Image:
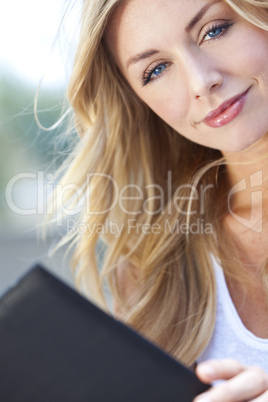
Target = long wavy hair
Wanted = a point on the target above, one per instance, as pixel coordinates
(166, 194)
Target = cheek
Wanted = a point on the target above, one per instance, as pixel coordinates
(257, 61)
(260, 64)
(171, 105)
(251, 52)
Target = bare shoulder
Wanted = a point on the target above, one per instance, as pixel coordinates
(127, 279)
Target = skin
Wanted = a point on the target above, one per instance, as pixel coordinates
(221, 57)
(200, 73)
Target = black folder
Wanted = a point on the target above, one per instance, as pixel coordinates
(56, 346)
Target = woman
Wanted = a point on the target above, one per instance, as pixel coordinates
(170, 102)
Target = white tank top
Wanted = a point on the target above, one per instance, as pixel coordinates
(231, 339)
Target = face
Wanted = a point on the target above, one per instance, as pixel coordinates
(196, 64)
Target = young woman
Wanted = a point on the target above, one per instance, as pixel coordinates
(170, 100)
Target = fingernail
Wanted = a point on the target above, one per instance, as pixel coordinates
(208, 370)
(203, 399)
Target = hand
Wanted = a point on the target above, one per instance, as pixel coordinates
(243, 383)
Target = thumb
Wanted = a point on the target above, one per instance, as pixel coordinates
(223, 369)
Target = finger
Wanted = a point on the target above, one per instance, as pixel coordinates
(224, 369)
(261, 398)
(249, 384)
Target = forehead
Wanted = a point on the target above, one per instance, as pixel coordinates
(136, 22)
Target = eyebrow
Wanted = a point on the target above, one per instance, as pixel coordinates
(199, 16)
(148, 53)
(142, 56)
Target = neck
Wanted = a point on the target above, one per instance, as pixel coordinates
(248, 177)
(249, 166)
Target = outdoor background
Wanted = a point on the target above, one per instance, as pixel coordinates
(31, 49)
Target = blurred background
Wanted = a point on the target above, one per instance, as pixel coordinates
(36, 45)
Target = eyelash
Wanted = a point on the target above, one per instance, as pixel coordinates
(225, 26)
(146, 79)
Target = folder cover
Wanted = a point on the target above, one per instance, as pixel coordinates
(57, 346)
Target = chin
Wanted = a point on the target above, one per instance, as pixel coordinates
(246, 142)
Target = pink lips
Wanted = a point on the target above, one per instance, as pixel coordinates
(226, 112)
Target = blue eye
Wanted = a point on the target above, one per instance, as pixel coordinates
(153, 73)
(158, 70)
(216, 31)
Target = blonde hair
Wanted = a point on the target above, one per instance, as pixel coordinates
(125, 146)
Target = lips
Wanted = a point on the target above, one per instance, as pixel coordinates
(227, 111)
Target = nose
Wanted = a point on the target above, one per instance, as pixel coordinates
(203, 77)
